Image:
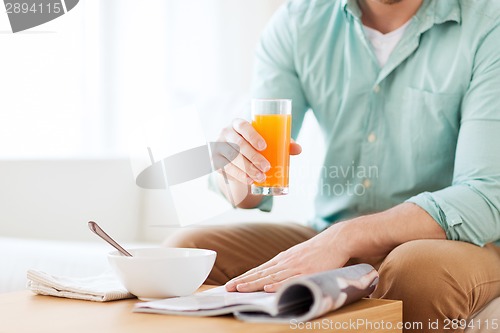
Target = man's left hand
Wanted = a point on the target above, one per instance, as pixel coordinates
(320, 253)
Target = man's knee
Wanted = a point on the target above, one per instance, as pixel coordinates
(416, 267)
(426, 279)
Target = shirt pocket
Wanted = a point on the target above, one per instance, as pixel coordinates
(430, 123)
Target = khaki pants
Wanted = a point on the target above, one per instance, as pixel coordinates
(437, 280)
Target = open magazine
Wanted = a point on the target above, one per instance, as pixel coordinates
(302, 299)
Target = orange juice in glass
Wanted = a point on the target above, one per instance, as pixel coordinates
(272, 119)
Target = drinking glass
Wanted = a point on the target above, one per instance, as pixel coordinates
(272, 119)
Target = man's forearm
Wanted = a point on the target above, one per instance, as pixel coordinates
(237, 193)
(377, 234)
(368, 236)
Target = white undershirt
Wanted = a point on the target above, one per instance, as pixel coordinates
(384, 44)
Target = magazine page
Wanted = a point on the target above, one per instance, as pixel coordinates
(311, 296)
(213, 302)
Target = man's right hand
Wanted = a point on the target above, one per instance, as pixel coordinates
(241, 158)
(242, 162)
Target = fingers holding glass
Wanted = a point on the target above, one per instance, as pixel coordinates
(238, 158)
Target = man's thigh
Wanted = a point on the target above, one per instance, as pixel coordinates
(241, 247)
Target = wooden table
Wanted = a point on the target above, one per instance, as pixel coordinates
(25, 312)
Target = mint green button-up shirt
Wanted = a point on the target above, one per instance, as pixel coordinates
(425, 128)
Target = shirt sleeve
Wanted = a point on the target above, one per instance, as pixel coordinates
(275, 74)
(469, 210)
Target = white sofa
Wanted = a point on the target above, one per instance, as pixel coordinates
(61, 258)
(45, 206)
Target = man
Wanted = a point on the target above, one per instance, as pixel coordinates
(411, 88)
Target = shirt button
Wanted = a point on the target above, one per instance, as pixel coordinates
(367, 183)
(376, 89)
(372, 138)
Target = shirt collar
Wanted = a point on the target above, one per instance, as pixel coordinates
(351, 7)
(444, 11)
(436, 11)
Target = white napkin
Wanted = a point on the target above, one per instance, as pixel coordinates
(100, 288)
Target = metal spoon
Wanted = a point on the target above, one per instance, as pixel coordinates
(96, 229)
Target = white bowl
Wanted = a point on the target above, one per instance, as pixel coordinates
(153, 273)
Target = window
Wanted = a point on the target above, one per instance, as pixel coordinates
(75, 87)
